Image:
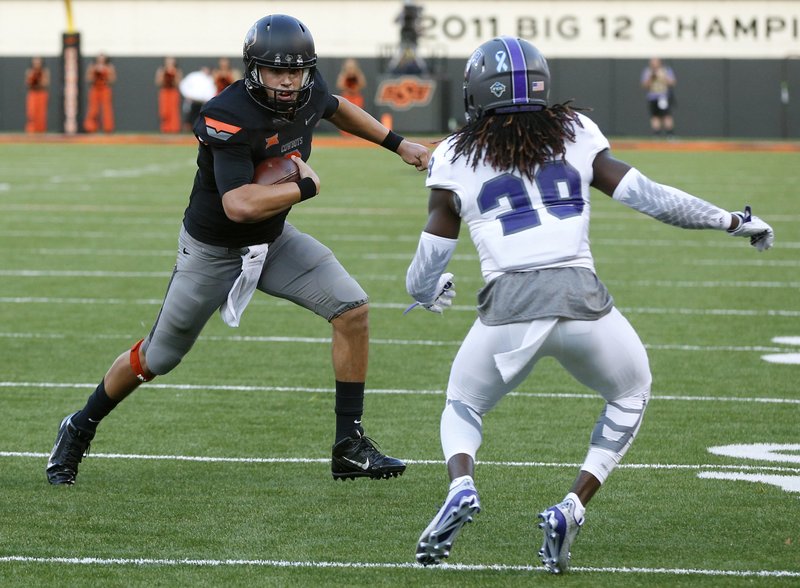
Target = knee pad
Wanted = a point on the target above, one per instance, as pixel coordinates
(161, 358)
(613, 434)
(136, 364)
(619, 423)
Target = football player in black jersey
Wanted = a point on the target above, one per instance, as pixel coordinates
(235, 239)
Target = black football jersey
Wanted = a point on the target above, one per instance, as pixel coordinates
(235, 135)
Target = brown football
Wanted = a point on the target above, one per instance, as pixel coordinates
(276, 170)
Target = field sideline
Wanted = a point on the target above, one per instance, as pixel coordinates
(218, 473)
(332, 140)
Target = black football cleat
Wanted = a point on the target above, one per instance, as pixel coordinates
(71, 445)
(358, 457)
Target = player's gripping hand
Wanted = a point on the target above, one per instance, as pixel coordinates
(444, 298)
(414, 154)
(306, 171)
(761, 234)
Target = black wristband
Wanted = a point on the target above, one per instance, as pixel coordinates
(392, 141)
(308, 189)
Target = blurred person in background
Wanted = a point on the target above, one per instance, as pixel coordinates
(168, 76)
(658, 80)
(407, 60)
(224, 75)
(37, 80)
(197, 88)
(101, 76)
(351, 82)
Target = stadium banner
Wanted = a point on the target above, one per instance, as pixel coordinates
(414, 104)
(450, 28)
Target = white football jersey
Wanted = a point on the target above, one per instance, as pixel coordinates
(518, 225)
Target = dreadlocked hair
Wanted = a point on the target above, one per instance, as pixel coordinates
(520, 141)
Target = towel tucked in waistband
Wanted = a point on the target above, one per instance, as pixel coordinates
(245, 285)
(511, 363)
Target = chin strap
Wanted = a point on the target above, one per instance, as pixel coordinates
(136, 364)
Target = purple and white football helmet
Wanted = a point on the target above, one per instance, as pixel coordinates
(505, 75)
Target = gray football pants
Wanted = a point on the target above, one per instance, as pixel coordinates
(298, 268)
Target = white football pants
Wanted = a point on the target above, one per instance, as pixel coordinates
(605, 355)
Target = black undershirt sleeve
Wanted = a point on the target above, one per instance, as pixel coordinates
(331, 106)
(232, 167)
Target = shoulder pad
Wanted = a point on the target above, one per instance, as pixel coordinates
(220, 122)
(216, 131)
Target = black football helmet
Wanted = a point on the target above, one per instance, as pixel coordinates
(505, 74)
(283, 42)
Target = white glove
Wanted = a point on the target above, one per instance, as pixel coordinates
(444, 298)
(761, 235)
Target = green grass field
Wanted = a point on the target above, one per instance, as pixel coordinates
(219, 473)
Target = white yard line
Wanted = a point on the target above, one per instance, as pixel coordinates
(657, 397)
(442, 568)
(377, 341)
(393, 305)
(423, 462)
(29, 273)
(36, 273)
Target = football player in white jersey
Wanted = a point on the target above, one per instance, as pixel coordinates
(518, 174)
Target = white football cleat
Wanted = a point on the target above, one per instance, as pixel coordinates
(560, 529)
(458, 509)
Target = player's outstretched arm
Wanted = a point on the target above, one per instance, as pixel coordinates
(352, 119)
(672, 206)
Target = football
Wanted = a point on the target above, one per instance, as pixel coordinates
(276, 170)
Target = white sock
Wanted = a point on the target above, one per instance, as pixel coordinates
(580, 510)
(459, 480)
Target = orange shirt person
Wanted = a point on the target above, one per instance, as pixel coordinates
(168, 76)
(37, 79)
(224, 75)
(100, 76)
(351, 82)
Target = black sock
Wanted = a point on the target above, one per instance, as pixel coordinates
(349, 408)
(97, 407)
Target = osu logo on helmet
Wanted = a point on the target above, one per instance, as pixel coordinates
(404, 93)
